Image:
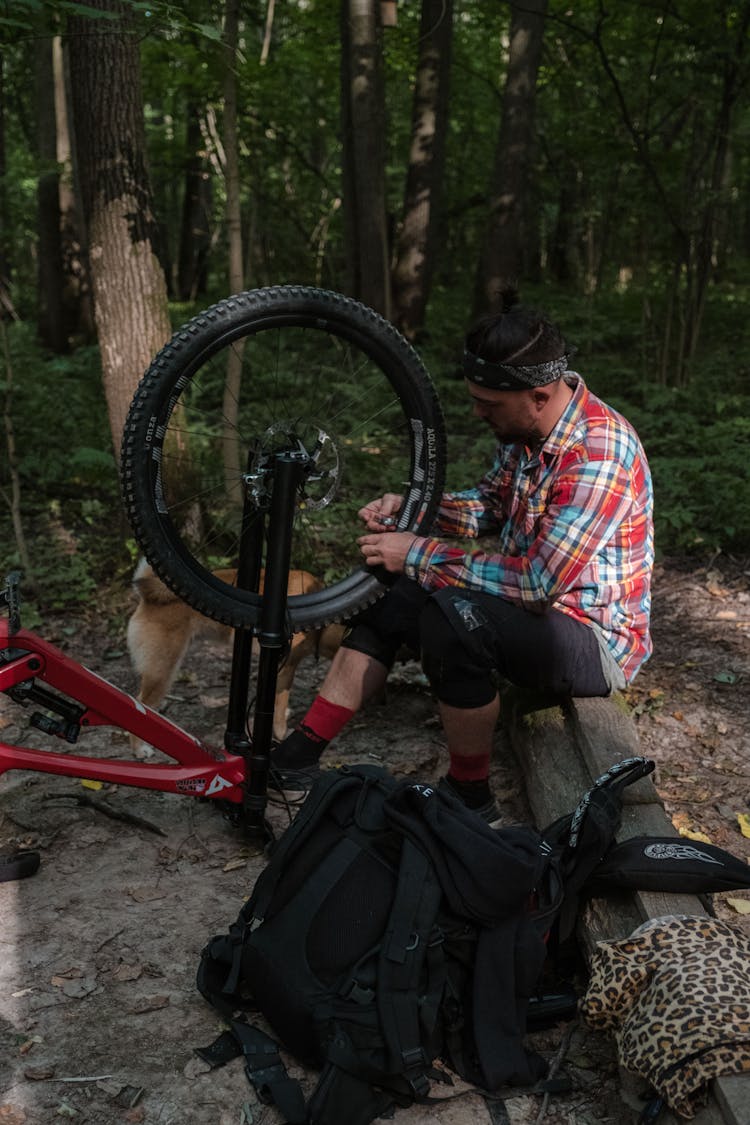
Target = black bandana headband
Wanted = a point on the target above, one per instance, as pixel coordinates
(506, 377)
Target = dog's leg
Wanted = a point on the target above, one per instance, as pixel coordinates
(302, 644)
(157, 647)
(321, 642)
(330, 640)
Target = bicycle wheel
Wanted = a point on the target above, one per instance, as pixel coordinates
(266, 372)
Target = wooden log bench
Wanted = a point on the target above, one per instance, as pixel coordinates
(561, 748)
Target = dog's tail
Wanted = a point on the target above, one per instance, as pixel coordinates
(150, 588)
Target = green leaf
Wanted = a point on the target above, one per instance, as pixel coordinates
(208, 31)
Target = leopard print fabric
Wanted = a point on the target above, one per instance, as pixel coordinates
(676, 995)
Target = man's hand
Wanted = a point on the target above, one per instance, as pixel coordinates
(387, 549)
(381, 514)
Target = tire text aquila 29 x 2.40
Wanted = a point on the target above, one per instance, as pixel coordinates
(276, 371)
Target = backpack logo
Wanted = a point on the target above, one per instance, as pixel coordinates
(678, 851)
(217, 784)
(423, 790)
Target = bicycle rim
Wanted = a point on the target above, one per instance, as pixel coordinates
(262, 373)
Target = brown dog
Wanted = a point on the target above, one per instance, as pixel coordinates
(162, 627)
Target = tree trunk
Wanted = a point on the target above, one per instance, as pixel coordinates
(564, 255)
(267, 33)
(232, 467)
(231, 146)
(415, 248)
(6, 304)
(363, 120)
(50, 318)
(195, 233)
(733, 82)
(130, 296)
(76, 279)
(501, 260)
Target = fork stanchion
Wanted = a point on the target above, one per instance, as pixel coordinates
(274, 635)
(248, 578)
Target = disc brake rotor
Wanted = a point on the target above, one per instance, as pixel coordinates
(320, 450)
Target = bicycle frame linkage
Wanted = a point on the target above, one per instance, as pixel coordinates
(34, 671)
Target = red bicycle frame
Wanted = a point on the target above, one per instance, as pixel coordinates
(33, 671)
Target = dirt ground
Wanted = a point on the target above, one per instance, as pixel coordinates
(99, 1013)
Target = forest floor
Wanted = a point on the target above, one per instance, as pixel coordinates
(99, 1013)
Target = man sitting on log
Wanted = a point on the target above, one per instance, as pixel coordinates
(559, 600)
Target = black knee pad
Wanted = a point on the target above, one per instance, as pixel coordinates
(389, 624)
(363, 638)
(456, 674)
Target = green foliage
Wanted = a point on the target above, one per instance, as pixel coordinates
(623, 186)
(697, 447)
(696, 437)
(59, 418)
(66, 470)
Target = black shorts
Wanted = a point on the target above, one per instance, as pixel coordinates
(466, 639)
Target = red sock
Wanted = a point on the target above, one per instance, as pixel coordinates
(469, 767)
(326, 719)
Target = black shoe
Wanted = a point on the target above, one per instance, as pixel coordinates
(301, 748)
(488, 810)
(18, 865)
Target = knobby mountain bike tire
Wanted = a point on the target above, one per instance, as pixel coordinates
(256, 375)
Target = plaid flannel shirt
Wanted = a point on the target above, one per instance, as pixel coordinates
(573, 526)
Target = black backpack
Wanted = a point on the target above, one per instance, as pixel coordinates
(393, 927)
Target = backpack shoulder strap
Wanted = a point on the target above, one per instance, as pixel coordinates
(263, 1066)
(617, 778)
(578, 841)
(406, 1002)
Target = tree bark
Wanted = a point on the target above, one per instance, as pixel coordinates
(130, 296)
(413, 268)
(6, 304)
(76, 280)
(501, 260)
(564, 251)
(733, 81)
(232, 467)
(50, 318)
(231, 147)
(363, 128)
(195, 232)
(267, 33)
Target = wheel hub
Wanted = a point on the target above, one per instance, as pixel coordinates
(314, 446)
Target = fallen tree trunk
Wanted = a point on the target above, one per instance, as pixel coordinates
(561, 749)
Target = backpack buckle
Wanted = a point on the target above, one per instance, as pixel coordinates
(264, 1078)
(359, 994)
(413, 1058)
(419, 1083)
